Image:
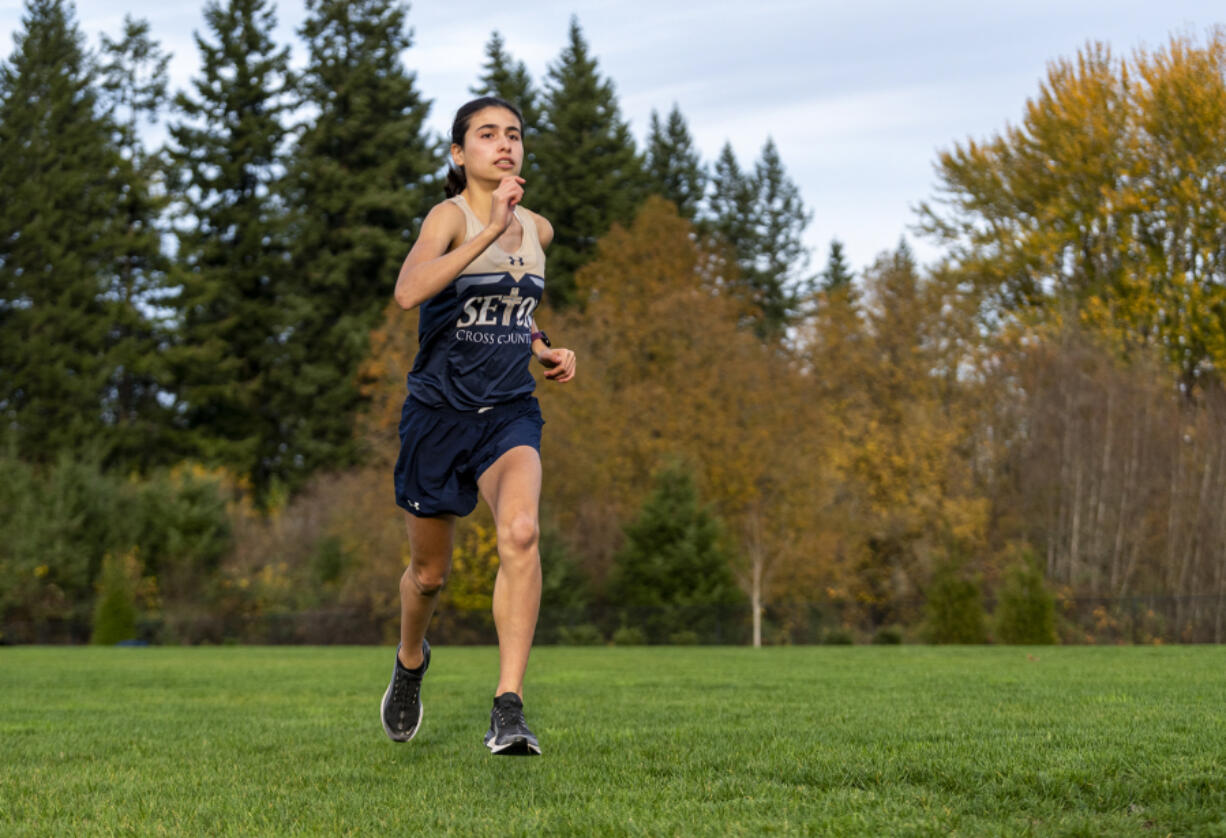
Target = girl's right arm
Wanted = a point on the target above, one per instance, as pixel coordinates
(433, 263)
(438, 256)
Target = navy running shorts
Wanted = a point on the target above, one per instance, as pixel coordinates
(444, 451)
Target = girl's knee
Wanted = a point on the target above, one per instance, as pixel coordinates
(424, 579)
(519, 534)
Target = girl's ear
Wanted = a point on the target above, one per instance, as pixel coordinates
(457, 155)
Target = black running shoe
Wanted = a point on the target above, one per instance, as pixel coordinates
(508, 734)
(401, 712)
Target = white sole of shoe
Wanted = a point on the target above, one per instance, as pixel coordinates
(520, 747)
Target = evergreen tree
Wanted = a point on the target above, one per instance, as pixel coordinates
(361, 180)
(115, 608)
(506, 78)
(731, 207)
(782, 260)
(133, 83)
(729, 220)
(954, 607)
(134, 91)
(761, 217)
(837, 273)
(233, 309)
(590, 174)
(509, 79)
(837, 344)
(674, 167)
(60, 233)
(673, 573)
(1025, 610)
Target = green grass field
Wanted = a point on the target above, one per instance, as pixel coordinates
(638, 741)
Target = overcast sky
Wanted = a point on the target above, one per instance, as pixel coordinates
(859, 97)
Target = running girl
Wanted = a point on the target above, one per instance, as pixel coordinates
(470, 423)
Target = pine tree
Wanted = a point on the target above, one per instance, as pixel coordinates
(115, 607)
(361, 179)
(837, 273)
(60, 175)
(232, 307)
(730, 220)
(954, 607)
(134, 90)
(1025, 610)
(674, 167)
(730, 206)
(590, 174)
(673, 572)
(836, 343)
(782, 260)
(761, 217)
(508, 79)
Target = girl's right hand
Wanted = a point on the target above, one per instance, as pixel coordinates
(509, 193)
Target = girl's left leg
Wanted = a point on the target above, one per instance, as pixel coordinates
(512, 488)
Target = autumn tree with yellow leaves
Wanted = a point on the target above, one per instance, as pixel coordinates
(1105, 203)
(667, 373)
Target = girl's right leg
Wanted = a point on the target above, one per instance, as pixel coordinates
(430, 544)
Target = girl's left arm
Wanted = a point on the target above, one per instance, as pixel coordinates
(544, 230)
(559, 363)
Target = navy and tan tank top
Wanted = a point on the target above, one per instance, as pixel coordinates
(475, 336)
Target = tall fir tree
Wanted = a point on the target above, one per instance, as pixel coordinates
(730, 219)
(133, 85)
(234, 312)
(674, 572)
(361, 179)
(590, 173)
(780, 271)
(761, 217)
(63, 180)
(509, 79)
(674, 167)
(837, 274)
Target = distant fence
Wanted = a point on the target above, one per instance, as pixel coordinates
(1144, 619)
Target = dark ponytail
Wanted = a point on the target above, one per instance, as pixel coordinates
(456, 179)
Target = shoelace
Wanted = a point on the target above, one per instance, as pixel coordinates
(509, 716)
(404, 690)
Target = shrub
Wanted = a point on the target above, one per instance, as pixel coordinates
(685, 637)
(629, 636)
(115, 610)
(59, 521)
(887, 636)
(673, 572)
(585, 634)
(955, 608)
(1026, 610)
(838, 637)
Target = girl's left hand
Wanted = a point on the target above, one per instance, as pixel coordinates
(559, 364)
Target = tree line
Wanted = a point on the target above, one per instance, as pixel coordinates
(1038, 416)
(212, 298)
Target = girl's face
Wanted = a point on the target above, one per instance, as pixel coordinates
(493, 145)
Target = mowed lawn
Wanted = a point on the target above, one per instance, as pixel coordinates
(638, 741)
